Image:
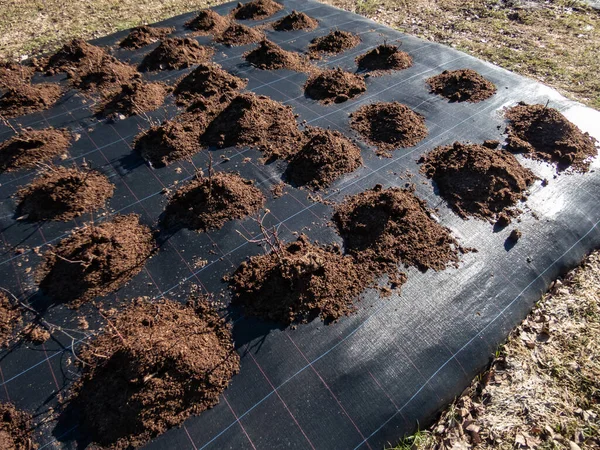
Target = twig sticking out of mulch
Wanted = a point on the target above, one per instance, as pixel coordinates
(337, 41)
(176, 54)
(295, 21)
(383, 59)
(256, 10)
(15, 429)
(270, 56)
(238, 34)
(145, 35)
(32, 147)
(24, 98)
(334, 86)
(208, 22)
(464, 85)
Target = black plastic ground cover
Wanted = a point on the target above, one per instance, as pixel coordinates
(363, 382)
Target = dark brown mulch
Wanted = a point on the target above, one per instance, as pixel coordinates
(334, 86)
(464, 85)
(31, 147)
(238, 34)
(324, 157)
(389, 126)
(295, 21)
(297, 282)
(270, 56)
(73, 56)
(24, 98)
(13, 73)
(136, 97)
(384, 58)
(95, 260)
(15, 429)
(176, 54)
(208, 202)
(477, 181)
(543, 133)
(336, 41)
(208, 22)
(255, 121)
(145, 35)
(63, 194)
(256, 10)
(10, 319)
(155, 364)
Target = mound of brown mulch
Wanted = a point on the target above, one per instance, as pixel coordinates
(10, 318)
(256, 10)
(384, 58)
(255, 121)
(13, 73)
(15, 429)
(476, 180)
(208, 202)
(295, 21)
(73, 56)
(24, 98)
(382, 228)
(270, 56)
(389, 126)
(324, 157)
(544, 134)
(96, 260)
(63, 194)
(296, 282)
(175, 54)
(136, 97)
(208, 22)
(30, 147)
(334, 86)
(336, 41)
(155, 364)
(238, 34)
(207, 81)
(145, 35)
(464, 85)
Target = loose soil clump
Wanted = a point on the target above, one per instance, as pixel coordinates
(24, 98)
(382, 228)
(237, 34)
(15, 429)
(206, 82)
(270, 56)
(208, 22)
(464, 85)
(323, 158)
(155, 365)
(544, 134)
(64, 194)
(30, 147)
(12, 74)
(295, 21)
(73, 56)
(136, 97)
(255, 121)
(477, 181)
(297, 282)
(145, 35)
(334, 86)
(10, 318)
(173, 140)
(208, 202)
(96, 260)
(176, 54)
(256, 10)
(335, 42)
(383, 59)
(389, 126)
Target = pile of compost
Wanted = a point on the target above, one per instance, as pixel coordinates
(463, 85)
(73, 56)
(544, 134)
(96, 260)
(255, 121)
(475, 180)
(155, 364)
(145, 35)
(63, 194)
(336, 41)
(12, 74)
(136, 97)
(25, 98)
(176, 54)
(205, 82)
(30, 147)
(324, 157)
(334, 86)
(383, 228)
(256, 10)
(208, 202)
(269, 56)
(10, 318)
(384, 58)
(295, 21)
(297, 282)
(15, 429)
(389, 126)
(208, 22)
(238, 34)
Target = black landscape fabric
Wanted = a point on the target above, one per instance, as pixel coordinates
(368, 379)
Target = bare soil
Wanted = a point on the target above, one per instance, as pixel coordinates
(384, 59)
(238, 34)
(136, 97)
(337, 41)
(73, 56)
(31, 147)
(176, 54)
(295, 21)
(256, 10)
(15, 429)
(270, 56)
(145, 35)
(208, 22)
(12, 73)
(23, 98)
(10, 319)
(464, 85)
(334, 86)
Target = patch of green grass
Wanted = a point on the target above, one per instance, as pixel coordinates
(417, 440)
